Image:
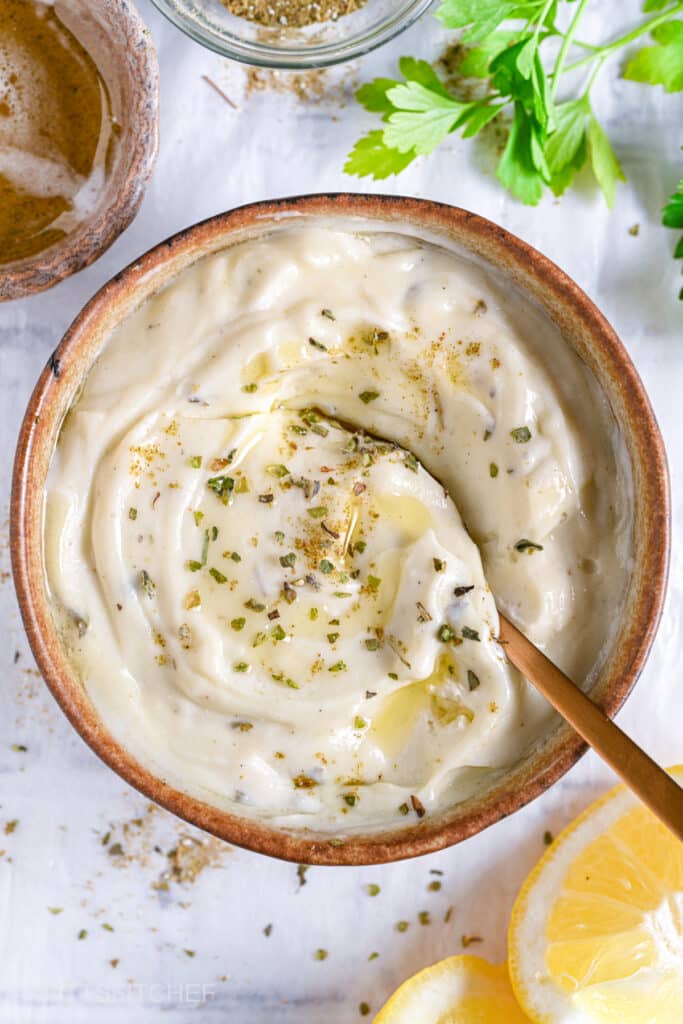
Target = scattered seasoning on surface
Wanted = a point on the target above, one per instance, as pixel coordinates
(493, 470)
(439, 565)
(304, 782)
(372, 889)
(470, 634)
(190, 952)
(468, 940)
(434, 886)
(83, 934)
(320, 954)
(418, 806)
(10, 826)
(634, 230)
(368, 396)
(19, 748)
(547, 838)
(424, 917)
(461, 591)
(268, 931)
(55, 910)
(402, 926)
(448, 915)
(445, 633)
(373, 956)
(364, 1009)
(107, 927)
(132, 513)
(292, 13)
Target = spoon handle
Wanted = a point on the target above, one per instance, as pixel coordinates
(649, 782)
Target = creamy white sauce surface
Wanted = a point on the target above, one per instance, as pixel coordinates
(254, 539)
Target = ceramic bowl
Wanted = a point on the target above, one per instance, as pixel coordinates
(583, 328)
(116, 38)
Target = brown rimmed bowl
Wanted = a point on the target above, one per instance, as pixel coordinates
(584, 329)
(116, 38)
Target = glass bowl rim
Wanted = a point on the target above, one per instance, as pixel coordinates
(292, 57)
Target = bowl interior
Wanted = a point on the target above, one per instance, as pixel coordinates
(583, 328)
(321, 44)
(120, 45)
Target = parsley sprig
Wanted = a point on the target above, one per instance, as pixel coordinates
(672, 217)
(547, 141)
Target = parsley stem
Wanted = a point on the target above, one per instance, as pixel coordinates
(564, 49)
(605, 51)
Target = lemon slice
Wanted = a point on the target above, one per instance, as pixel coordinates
(597, 930)
(459, 990)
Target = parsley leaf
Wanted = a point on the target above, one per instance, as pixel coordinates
(483, 16)
(476, 62)
(661, 64)
(372, 156)
(422, 119)
(672, 217)
(566, 149)
(516, 169)
(606, 167)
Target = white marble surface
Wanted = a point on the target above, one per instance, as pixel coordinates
(212, 158)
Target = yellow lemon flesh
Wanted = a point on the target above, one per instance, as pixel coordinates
(459, 990)
(596, 935)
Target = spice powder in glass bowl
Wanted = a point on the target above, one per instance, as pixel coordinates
(292, 13)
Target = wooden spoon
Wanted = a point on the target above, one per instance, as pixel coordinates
(649, 782)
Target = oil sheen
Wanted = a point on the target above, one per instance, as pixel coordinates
(279, 510)
(56, 130)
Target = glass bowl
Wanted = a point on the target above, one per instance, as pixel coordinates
(315, 46)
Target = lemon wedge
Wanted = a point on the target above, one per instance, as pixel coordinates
(596, 935)
(459, 990)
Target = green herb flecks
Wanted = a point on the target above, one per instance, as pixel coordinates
(520, 435)
(147, 584)
(528, 545)
(222, 487)
(473, 681)
(368, 396)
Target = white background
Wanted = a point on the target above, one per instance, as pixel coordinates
(213, 158)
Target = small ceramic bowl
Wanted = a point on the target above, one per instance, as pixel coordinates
(583, 328)
(319, 45)
(119, 43)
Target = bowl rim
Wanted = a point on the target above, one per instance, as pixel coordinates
(296, 58)
(91, 238)
(39, 431)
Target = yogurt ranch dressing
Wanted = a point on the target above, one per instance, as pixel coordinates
(253, 526)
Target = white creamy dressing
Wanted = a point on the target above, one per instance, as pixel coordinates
(253, 539)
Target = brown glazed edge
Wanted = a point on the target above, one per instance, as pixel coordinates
(92, 238)
(605, 355)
